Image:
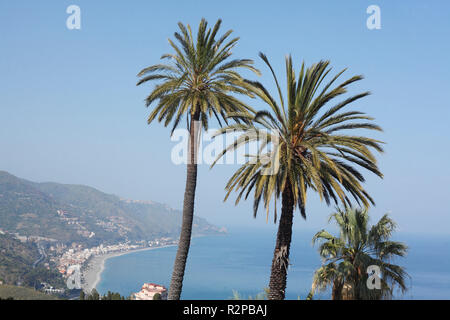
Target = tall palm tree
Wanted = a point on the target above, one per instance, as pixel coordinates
(200, 82)
(347, 257)
(309, 151)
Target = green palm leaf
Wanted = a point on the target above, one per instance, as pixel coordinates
(347, 257)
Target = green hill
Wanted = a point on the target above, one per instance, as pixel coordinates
(22, 293)
(15, 258)
(17, 264)
(76, 213)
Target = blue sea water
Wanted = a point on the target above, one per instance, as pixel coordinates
(241, 261)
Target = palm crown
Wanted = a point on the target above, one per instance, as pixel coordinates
(200, 81)
(312, 150)
(347, 257)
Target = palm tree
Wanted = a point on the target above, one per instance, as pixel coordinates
(199, 83)
(308, 151)
(347, 257)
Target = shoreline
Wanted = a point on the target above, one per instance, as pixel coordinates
(92, 272)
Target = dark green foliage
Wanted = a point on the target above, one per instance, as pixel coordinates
(16, 265)
(112, 296)
(35, 276)
(157, 296)
(16, 258)
(358, 246)
(94, 295)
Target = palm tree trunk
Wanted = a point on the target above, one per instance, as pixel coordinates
(336, 292)
(280, 262)
(184, 242)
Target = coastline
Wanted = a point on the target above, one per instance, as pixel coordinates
(92, 272)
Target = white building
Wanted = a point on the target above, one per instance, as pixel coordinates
(149, 290)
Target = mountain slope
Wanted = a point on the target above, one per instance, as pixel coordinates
(22, 293)
(15, 258)
(27, 210)
(17, 264)
(75, 213)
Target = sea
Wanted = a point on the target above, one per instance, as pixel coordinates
(239, 262)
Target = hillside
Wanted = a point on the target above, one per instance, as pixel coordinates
(17, 264)
(76, 213)
(15, 258)
(22, 293)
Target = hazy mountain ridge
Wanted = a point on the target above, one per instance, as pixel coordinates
(77, 213)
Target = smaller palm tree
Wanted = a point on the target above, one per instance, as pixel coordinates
(347, 258)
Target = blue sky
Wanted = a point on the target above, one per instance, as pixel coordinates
(70, 111)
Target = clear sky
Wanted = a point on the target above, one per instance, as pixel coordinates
(70, 111)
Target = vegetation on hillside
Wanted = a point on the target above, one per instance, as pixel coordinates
(22, 293)
(73, 213)
(16, 265)
(94, 295)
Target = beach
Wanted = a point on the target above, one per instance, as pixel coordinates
(91, 273)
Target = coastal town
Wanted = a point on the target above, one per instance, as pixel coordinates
(77, 254)
(88, 261)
